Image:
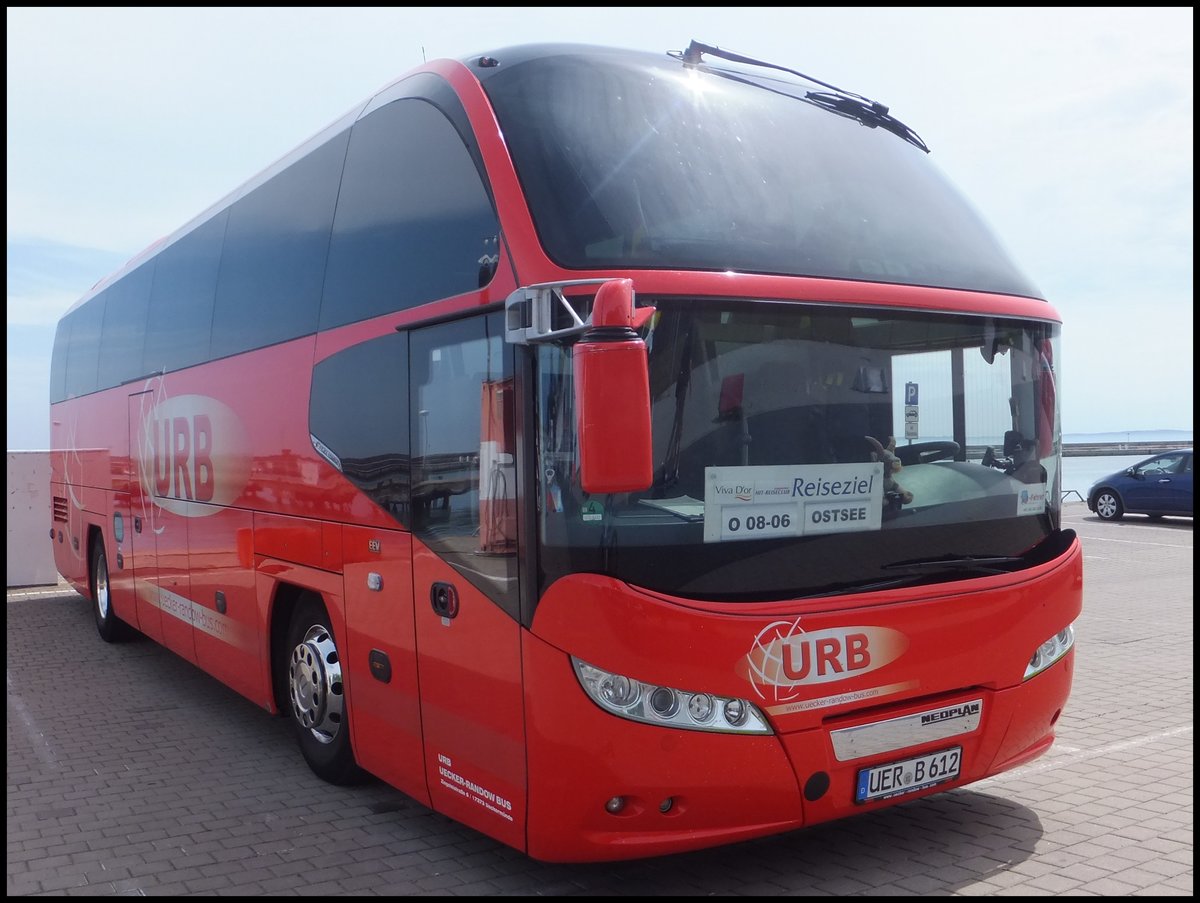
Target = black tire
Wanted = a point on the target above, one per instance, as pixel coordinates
(316, 701)
(1108, 505)
(111, 628)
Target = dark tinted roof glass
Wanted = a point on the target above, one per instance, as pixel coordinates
(631, 160)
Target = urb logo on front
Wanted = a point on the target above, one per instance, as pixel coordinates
(784, 659)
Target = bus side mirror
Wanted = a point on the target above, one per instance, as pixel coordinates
(612, 395)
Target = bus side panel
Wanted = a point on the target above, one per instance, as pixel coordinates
(472, 710)
(174, 583)
(142, 533)
(81, 468)
(121, 560)
(223, 601)
(381, 658)
(71, 566)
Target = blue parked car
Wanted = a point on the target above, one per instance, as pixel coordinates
(1158, 486)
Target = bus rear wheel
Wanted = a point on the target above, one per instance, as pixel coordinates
(111, 628)
(316, 695)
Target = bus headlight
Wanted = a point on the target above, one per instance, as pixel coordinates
(653, 704)
(1050, 651)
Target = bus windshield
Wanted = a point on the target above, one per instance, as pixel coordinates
(637, 161)
(801, 450)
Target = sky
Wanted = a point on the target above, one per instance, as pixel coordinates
(1069, 129)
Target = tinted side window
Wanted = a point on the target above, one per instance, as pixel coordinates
(358, 410)
(414, 221)
(84, 355)
(181, 298)
(58, 360)
(273, 262)
(464, 471)
(126, 304)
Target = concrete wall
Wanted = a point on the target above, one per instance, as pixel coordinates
(30, 555)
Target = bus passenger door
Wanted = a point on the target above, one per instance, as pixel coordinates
(381, 657)
(471, 701)
(161, 523)
(465, 574)
(140, 556)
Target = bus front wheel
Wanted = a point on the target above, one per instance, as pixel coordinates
(316, 694)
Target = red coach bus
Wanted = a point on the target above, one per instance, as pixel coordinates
(619, 453)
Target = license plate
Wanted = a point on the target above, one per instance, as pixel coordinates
(881, 782)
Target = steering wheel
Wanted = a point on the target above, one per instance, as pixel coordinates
(924, 452)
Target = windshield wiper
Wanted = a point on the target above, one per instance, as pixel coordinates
(990, 564)
(1054, 545)
(869, 112)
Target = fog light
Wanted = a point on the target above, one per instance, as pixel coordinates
(615, 805)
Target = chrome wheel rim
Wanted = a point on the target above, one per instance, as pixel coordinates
(102, 588)
(1106, 505)
(315, 684)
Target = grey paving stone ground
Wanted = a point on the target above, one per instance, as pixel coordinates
(130, 772)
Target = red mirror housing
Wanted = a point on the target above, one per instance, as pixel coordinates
(612, 395)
